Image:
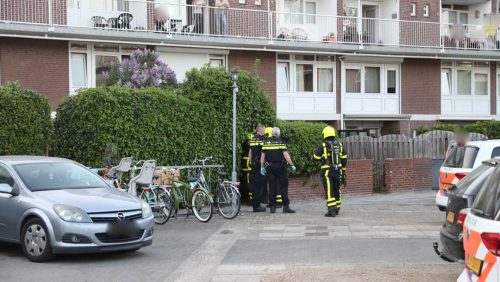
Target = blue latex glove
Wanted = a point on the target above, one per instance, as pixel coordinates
(294, 169)
(262, 171)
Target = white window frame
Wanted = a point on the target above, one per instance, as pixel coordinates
(293, 62)
(385, 85)
(91, 62)
(474, 70)
(222, 58)
(384, 68)
(413, 12)
(426, 10)
(303, 12)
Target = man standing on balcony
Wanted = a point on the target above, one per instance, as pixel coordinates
(198, 15)
(220, 16)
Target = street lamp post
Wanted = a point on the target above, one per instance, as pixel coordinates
(235, 92)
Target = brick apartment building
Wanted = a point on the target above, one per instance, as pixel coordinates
(385, 66)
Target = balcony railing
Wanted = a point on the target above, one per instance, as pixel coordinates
(147, 16)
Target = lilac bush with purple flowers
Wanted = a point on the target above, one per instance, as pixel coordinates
(143, 69)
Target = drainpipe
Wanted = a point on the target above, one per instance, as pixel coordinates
(360, 22)
(441, 24)
(50, 13)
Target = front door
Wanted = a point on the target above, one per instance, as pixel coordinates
(8, 209)
(74, 12)
(370, 24)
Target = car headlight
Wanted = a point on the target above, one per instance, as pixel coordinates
(146, 210)
(72, 214)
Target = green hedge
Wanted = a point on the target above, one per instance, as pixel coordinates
(146, 123)
(25, 126)
(170, 126)
(302, 139)
(489, 128)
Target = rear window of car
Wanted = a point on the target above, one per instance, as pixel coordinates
(487, 202)
(475, 179)
(461, 157)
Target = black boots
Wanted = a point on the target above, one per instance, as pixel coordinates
(337, 211)
(273, 209)
(287, 209)
(332, 212)
(259, 209)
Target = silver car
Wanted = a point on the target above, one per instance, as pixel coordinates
(54, 206)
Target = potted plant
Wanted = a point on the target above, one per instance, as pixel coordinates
(330, 38)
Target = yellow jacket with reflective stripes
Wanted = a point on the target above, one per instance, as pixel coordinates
(332, 154)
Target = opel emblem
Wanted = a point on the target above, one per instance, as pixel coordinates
(120, 216)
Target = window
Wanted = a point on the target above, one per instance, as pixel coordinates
(391, 82)
(480, 84)
(353, 80)
(325, 79)
(495, 152)
(426, 10)
(464, 82)
(293, 10)
(79, 70)
(486, 203)
(102, 64)
(283, 80)
(446, 81)
(217, 61)
(299, 11)
(5, 177)
(413, 9)
(310, 12)
(372, 80)
(304, 77)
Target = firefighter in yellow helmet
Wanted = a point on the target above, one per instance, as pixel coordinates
(333, 159)
(279, 200)
(245, 168)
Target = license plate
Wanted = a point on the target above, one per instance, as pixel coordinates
(475, 265)
(451, 216)
(122, 229)
(446, 186)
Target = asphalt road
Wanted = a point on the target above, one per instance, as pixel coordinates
(376, 238)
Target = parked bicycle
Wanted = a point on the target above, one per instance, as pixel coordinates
(226, 194)
(142, 186)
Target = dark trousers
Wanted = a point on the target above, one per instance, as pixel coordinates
(277, 175)
(256, 185)
(331, 182)
(246, 193)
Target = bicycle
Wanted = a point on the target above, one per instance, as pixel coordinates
(141, 186)
(192, 196)
(226, 194)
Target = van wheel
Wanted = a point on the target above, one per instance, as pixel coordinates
(442, 208)
(35, 241)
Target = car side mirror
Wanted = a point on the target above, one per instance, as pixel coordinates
(6, 188)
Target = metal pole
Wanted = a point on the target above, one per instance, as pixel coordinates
(235, 92)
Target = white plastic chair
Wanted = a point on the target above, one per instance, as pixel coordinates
(117, 171)
(144, 178)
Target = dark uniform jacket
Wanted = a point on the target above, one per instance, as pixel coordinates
(274, 148)
(256, 146)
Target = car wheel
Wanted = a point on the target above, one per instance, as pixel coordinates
(35, 241)
(442, 208)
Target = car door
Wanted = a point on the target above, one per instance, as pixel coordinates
(8, 208)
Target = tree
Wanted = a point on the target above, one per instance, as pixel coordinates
(143, 69)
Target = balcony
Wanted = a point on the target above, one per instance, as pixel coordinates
(132, 17)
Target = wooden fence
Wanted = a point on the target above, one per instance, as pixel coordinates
(431, 145)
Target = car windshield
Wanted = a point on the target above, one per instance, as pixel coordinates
(57, 176)
(477, 177)
(487, 202)
(461, 157)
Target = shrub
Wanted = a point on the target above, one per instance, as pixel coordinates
(146, 123)
(302, 139)
(25, 126)
(143, 69)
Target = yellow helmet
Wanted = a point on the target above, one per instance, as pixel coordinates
(329, 132)
(268, 132)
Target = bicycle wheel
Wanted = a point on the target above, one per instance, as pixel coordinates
(163, 205)
(228, 200)
(202, 206)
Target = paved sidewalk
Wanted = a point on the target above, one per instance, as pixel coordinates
(376, 238)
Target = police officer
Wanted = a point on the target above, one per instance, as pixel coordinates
(256, 178)
(279, 201)
(274, 162)
(333, 163)
(246, 168)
